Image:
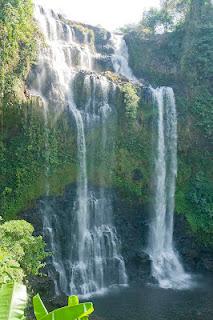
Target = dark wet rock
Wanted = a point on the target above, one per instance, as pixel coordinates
(208, 262)
(131, 221)
(103, 63)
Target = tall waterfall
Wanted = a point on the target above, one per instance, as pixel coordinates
(166, 265)
(89, 262)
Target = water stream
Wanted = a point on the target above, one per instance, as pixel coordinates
(120, 58)
(92, 263)
(166, 266)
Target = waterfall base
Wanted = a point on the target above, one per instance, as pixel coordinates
(169, 273)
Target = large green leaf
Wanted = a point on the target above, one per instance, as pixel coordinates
(73, 311)
(39, 308)
(13, 300)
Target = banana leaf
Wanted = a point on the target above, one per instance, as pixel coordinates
(73, 311)
(13, 300)
(39, 308)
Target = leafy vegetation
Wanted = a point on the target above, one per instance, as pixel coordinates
(196, 65)
(171, 14)
(18, 45)
(21, 254)
(131, 100)
(13, 300)
(73, 311)
(132, 150)
(24, 173)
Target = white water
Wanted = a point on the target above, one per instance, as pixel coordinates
(99, 264)
(93, 262)
(120, 59)
(166, 266)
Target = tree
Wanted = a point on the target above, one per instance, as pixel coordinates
(177, 9)
(165, 19)
(21, 254)
(18, 33)
(156, 21)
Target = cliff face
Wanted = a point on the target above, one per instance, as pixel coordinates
(182, 59)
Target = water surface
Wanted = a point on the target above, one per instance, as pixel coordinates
(153, 303)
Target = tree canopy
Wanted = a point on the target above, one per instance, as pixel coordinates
(165, 19)
(21, 254)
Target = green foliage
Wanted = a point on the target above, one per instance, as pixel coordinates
(24, 158)
(13, 300)
(73, 311)
(18, 34)
(195, 164)
(203, 112)
(196, 65)
(155, 57)
(201, 195)
(131, 174)
(194, 200)
(9, 267)
(201, 198)
(39, 308)
(131, 101)
(171, 14)
(18, 47)
(156, 20)
(21, 254)
(196, 60)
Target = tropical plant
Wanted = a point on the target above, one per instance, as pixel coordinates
(10, 269)
(21, 254)
(13, 300)
(73, 311)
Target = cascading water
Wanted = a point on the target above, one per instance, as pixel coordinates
(89, 261)
(121, 57)
(98, 264)
(166, 266)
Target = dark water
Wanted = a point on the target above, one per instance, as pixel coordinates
(152, 303)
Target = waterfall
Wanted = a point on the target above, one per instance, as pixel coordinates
(89, 261)
(166, 265)
(120, 59)
(99, 264)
